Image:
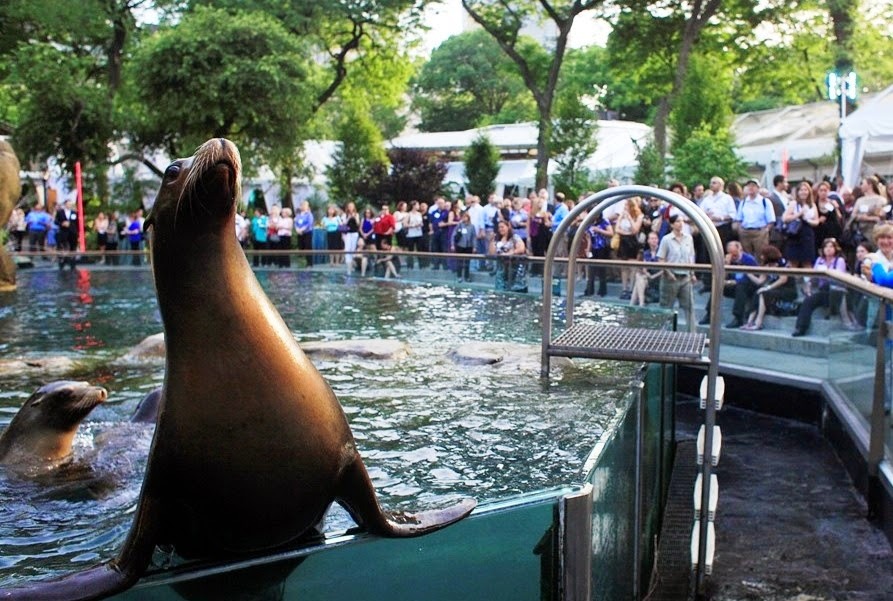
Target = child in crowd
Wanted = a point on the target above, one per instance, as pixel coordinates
(387, 261)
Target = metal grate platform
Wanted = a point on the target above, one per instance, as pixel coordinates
(629, 344)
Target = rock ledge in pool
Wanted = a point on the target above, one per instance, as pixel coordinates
(152, 349)
(365, 348)
(45, 367)
(503, 354)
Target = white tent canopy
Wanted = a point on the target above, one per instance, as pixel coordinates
(868, 130)
(616, 154)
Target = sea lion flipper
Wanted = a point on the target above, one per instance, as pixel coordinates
(357, 495)
(95, 583)
(102, 580)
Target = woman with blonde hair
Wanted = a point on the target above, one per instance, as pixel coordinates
(627, 226)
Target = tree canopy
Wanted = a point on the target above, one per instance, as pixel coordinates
(469, 82)
(215, 74)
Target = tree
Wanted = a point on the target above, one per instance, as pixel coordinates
(705, 154)
(359, 165)
(63, 112)
(704, 102)
(415, 175)
(217, 74)
(468, 81)
(651, 170)
(481, 166)
(340, 33)
(61, 63)
(573, 142)
(539, 67)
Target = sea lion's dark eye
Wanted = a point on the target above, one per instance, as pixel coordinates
(172, 171)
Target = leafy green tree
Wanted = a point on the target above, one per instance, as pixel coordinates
(61, 65)
(63, 112)
(481, 166)
(705, 154)
(216, 74)
(704, 102)
(651, 169)
(341, 34)
(359, 166)
(415, 175)
(573, 142)
(467, 82)
(539, 67)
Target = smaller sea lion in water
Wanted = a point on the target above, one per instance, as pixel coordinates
(146, 411)
(41, 433)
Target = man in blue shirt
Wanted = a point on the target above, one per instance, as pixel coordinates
(38, 222)
(737, 286)
(755, 217)
(561, 211)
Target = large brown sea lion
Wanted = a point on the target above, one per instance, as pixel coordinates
(39, 436)
(251, 445)
(10, 189)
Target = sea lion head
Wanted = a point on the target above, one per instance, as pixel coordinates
(44, 427)
(198, 193)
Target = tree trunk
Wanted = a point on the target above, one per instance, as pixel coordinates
(690, 34)
(286, 199)
(841, 13)
(543, 137)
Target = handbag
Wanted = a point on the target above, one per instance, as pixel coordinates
(792, 228)
(615, 241)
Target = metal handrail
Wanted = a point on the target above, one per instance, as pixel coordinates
(593, 206)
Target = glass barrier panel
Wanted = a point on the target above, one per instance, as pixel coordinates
(502, 552)
(614, 502)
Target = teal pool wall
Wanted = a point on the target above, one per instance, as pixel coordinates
(504, 551)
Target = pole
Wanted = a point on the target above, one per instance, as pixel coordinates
(82, 245)
(840, 129)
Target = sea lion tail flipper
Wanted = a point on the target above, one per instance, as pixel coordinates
(102, 580)
(357, 495)
(94, 583)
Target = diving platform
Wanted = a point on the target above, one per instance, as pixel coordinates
(629, 344)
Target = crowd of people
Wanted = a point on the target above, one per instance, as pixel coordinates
(821, 225)
(56, 236)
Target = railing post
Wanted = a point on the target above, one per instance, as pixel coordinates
(637, 516)
(878, 431)
(575, 544)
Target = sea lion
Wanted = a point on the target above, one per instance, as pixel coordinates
(39, 436)
(146, 411)
(10, 189)
(251, 446)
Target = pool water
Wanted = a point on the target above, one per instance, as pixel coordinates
(429, 429)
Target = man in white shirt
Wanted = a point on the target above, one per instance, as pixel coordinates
(720, 208)
(476, 213)
(676, 284)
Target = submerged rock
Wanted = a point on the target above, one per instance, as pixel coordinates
(365, 348)
(152, 349)
(45, 367)
(503, 354)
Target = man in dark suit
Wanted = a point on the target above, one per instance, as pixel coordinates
(67, 236)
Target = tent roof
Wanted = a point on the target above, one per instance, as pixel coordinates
(873, 119)
(521, 137)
